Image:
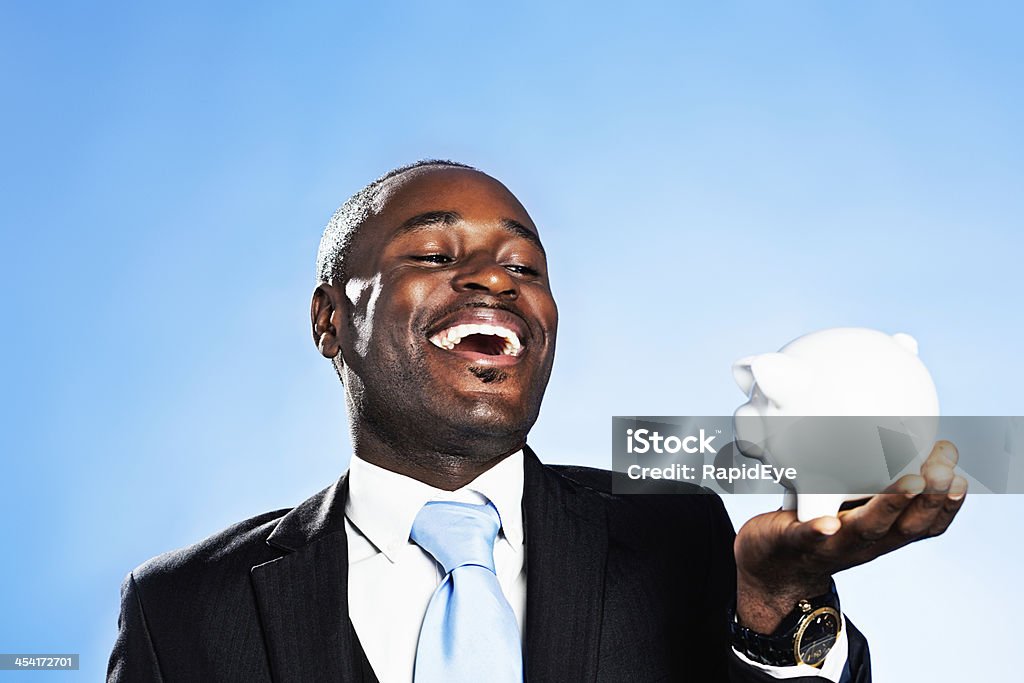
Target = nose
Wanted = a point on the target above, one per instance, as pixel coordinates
(484, 275)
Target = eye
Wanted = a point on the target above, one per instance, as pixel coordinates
(521, 270)
(437, 259)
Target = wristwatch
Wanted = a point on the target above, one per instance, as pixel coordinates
(805, 636)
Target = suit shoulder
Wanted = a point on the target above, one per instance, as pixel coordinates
(241, 544)
(665, 499)
(617, 485)
(680, 520)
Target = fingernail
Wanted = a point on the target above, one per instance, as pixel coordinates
(829, 526)
(958, 489)
(949, 452)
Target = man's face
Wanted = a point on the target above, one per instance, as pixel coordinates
(451, 321)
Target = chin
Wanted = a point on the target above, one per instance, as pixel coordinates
(489, 417)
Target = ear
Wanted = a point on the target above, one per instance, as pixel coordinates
(906, 341)
(778, 376)
(325, 318)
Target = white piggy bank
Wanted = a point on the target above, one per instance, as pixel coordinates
(837, 373)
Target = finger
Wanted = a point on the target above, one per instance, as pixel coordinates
(944, 452)
(954, 501)
(919, 516)
(908, 485)
(927, 510)
(804, 536)
(958, 490)
(874, 520)
(938, 474)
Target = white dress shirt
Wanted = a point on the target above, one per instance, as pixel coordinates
(391, 579)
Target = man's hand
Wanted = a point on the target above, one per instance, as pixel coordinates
(780, 560)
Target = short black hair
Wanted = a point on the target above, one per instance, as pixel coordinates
(341, 229)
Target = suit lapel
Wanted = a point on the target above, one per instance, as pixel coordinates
(303, 595)
(567, 544)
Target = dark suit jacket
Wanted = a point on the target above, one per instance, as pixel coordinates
(619, 588)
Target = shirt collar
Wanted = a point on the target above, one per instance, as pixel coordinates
(383, 504)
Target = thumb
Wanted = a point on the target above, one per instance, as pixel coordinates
(802, 535)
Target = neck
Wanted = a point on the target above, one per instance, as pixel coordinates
(447, 471)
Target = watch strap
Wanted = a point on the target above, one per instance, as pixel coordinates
(777, 649)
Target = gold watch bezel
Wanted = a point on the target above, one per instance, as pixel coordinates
(804, 623)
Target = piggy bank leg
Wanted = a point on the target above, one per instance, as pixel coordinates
(813, 505)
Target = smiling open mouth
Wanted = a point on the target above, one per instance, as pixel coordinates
(478, 338)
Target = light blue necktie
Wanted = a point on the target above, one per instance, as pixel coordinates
(469, 632)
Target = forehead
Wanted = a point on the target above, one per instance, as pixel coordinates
(475, 196)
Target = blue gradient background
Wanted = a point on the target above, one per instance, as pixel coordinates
(710, 182)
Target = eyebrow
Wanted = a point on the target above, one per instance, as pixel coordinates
(429, 219)
(426, 220)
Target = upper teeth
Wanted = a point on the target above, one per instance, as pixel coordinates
(447, 339)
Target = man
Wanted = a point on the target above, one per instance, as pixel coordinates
(434, 306)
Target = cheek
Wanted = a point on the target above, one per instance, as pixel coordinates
(546, 311)
(363, 295)
(416, 294)
(552, 313)
(388, 307)
(413, 297)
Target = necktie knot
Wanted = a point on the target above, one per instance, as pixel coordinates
(457, 534)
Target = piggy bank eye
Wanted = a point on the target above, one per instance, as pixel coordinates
(757, 397)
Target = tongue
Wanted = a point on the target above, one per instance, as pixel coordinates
(482, 343)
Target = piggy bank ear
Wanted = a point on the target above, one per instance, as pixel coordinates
(777, 376)
(906, 341)
(742, 374)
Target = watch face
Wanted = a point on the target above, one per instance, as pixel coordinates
(816, 636)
